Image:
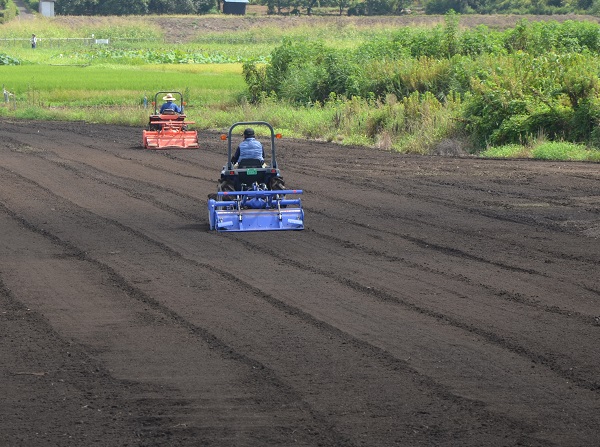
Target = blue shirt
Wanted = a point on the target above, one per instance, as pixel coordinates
(250, 148)
(170, 105)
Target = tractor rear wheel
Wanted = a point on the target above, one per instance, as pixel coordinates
(223, 186)
(276, 183)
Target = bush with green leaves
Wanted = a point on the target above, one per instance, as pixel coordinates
(33, 5)
(520, 95)
(8, 10)
(512, 85)
(5, 59)
(561, 150)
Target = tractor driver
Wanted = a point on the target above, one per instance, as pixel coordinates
(170, 104)
(249, 149)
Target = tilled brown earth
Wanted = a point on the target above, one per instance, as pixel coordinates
(429, 301)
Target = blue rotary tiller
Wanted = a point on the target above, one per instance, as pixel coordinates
(251, 196)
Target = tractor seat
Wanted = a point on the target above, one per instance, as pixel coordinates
(249, 163)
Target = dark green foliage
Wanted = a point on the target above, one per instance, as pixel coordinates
(585, 122)
(547, 7)
(33, 5)
(76, 7)
(384, 7)
(256, 80)
(8, 10)
(294, 61)
(132, 7)
(444, 6)
(119, 7)
(556, 95)
(171, 7)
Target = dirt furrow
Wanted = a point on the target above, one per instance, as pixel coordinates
(265, 378)
(457, 323)
(430, 300)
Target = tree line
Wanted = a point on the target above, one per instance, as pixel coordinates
(350, 7)
(133, 7)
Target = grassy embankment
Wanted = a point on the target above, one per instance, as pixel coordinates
(75, 80)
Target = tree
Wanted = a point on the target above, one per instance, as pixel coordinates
(444, 6)
(204, 6)
(275, 6)
(77, 7)
(120, 8)
(341, 4)
(171, 7)
(310, 4)
(385, 7)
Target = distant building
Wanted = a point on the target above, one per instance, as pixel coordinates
(47, 8)
(235, 7)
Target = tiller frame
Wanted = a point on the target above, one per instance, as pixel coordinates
(256, 211)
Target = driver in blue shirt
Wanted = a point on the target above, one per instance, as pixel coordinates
(170, 104)
(250, 148)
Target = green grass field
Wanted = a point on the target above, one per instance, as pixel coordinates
(100, 85)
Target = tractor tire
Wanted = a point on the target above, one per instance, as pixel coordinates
(276, 183)
(224, 186)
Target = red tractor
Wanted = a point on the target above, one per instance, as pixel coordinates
(169, 129)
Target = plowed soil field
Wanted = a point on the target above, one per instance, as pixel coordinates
(430, 301)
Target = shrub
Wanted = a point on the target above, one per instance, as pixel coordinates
(507, 151)
(8, 11)
(5, 59)
(563, 151)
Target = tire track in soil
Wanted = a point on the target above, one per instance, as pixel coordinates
(359, 284)
(19, 145)
(503, 294)
(491, 337)
(422, 198)
(381, 356)
(446, 250)
(500, 293)
(452, 252)
(435, 389)
(93, 394)
(380, 188)
(202, 335)
(449, 251)
(420, 184)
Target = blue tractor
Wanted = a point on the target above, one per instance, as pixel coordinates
(251, 195)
